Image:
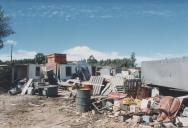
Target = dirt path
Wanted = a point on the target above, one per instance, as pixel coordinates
(41, 112)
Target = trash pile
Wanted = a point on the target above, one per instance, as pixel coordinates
(44, 87)
(123, 99)
(152, 111)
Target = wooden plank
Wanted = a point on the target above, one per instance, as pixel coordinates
(26, 86)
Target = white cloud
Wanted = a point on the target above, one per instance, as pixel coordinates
(10, 42)
(106, 16)
(69, 12)
(83, 52)
(55, 12)
(20, 54)
(157, 12)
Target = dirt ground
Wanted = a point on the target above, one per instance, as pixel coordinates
(42, 112)
(31, 111)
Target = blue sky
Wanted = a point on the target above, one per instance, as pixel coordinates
(153, 29)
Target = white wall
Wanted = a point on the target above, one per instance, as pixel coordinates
(167, 73)
(62, 69)
(105, 71)
(32, 71)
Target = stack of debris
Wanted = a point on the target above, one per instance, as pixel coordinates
(102, 86)
(129, 101)
(43, 87)
(123, 99)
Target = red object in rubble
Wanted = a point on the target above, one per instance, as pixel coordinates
(116, 96)
(89, 87)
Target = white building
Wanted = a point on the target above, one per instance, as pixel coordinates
(21, 71)
(65, 70)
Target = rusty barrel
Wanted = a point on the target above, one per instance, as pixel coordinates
(83, 100)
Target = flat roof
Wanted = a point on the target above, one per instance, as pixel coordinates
(59, 54)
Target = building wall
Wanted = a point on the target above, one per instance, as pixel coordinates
(20, 72)
(32, 71)
(168, 73)
(57, 58)
(62, 69)
(107, 71)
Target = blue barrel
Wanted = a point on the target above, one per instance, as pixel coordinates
(83, 100)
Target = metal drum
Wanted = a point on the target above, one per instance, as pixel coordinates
(83, 100)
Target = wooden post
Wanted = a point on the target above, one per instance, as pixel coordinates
(12, 66)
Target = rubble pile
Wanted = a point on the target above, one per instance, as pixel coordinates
(125, 100)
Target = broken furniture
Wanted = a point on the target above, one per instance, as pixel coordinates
(100, 102)
(98, 105)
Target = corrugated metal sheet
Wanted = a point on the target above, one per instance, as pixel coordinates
(97, 90)
(168, 73)
(97, 82)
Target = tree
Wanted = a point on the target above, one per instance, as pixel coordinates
(40, 58)
(91, 60)
(116, 63)
(133, 60)
(5, 29)
(1, 61)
